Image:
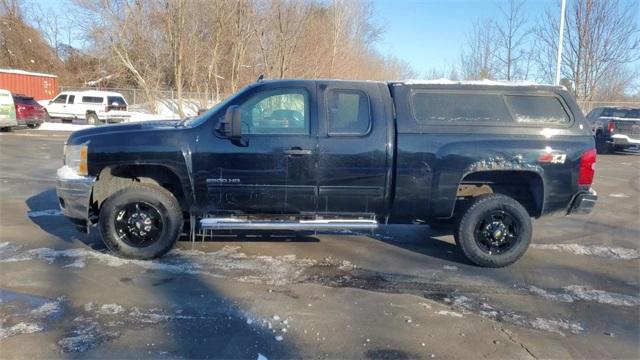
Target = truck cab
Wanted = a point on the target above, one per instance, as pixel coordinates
(329, 154)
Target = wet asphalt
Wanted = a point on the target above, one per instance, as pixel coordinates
(398, 292)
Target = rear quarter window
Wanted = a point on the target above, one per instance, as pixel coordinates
(116, 100)
(24, 100)
(530, 109)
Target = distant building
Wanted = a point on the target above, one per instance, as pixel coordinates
(40, 86)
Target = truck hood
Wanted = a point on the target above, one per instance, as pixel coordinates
(81, 136)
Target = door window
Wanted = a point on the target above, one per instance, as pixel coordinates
(348, 112)
(71, 99)
(61, 99)
(282, 111)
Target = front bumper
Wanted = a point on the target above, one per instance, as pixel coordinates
(74, 196)
(583, 203)
(623, 140)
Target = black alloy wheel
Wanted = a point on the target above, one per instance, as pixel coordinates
(139, 224)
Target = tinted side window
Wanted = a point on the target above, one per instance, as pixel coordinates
(92, 99)
(633, 114)
(537, 109)
(282, 111)
(115, 100)
(62, 99)
(71, 99)
(612, 112)
(348, 112)
(432, 107)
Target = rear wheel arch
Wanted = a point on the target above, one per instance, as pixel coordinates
(524, 186)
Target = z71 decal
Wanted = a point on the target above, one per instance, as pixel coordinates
(552, 157)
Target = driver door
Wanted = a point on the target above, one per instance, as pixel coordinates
(275, 173)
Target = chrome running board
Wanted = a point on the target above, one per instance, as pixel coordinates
(241, 224)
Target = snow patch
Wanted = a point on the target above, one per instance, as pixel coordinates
(585, 293)
(47, 309)
(449, 267)
(485, 82)
(68, 173)
(110, 309)
(574, 293)
(618, 253)
(20, 328)
(550, 296)
(619, 195)
(50, 212)
(49, 126)
(449, 313)
(556, 326)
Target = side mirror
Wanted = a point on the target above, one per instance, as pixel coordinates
(232, 124)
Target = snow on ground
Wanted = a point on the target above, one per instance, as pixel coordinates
(51, 126)
(618, 253)
(556, 326)
(227, 262)
(573, 293)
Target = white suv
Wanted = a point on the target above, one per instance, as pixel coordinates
(92, 105)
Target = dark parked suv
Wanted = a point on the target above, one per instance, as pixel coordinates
(327, 154)
(615, 128)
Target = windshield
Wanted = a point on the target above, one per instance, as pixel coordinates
(195, 121)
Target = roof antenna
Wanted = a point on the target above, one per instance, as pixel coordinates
(260, 78)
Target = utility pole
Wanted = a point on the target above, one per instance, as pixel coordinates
(560, 38)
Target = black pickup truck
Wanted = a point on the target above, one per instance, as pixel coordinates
(327, 154)
(615, 128)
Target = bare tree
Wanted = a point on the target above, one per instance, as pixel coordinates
(601, 36)
(478, 57)
(512, 34)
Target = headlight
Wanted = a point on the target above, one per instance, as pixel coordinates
(75, 157)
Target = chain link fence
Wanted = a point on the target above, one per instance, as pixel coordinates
(139, 101)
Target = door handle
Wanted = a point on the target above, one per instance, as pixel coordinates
(296, 151)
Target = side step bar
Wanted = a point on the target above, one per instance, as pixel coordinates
(240, 224)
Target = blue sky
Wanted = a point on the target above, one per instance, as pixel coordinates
(427, 33)
(431, 33)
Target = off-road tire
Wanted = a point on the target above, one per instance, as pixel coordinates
(465, 234)
(92, 119)
(162, 200)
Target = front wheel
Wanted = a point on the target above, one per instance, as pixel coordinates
(141, 221)
(494, 231)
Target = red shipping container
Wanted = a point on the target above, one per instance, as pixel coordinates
(40, 86)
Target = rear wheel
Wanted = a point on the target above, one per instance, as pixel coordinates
(141, 221)
(33, 126)
(494, 231)
(602, 147)
(92, 119)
